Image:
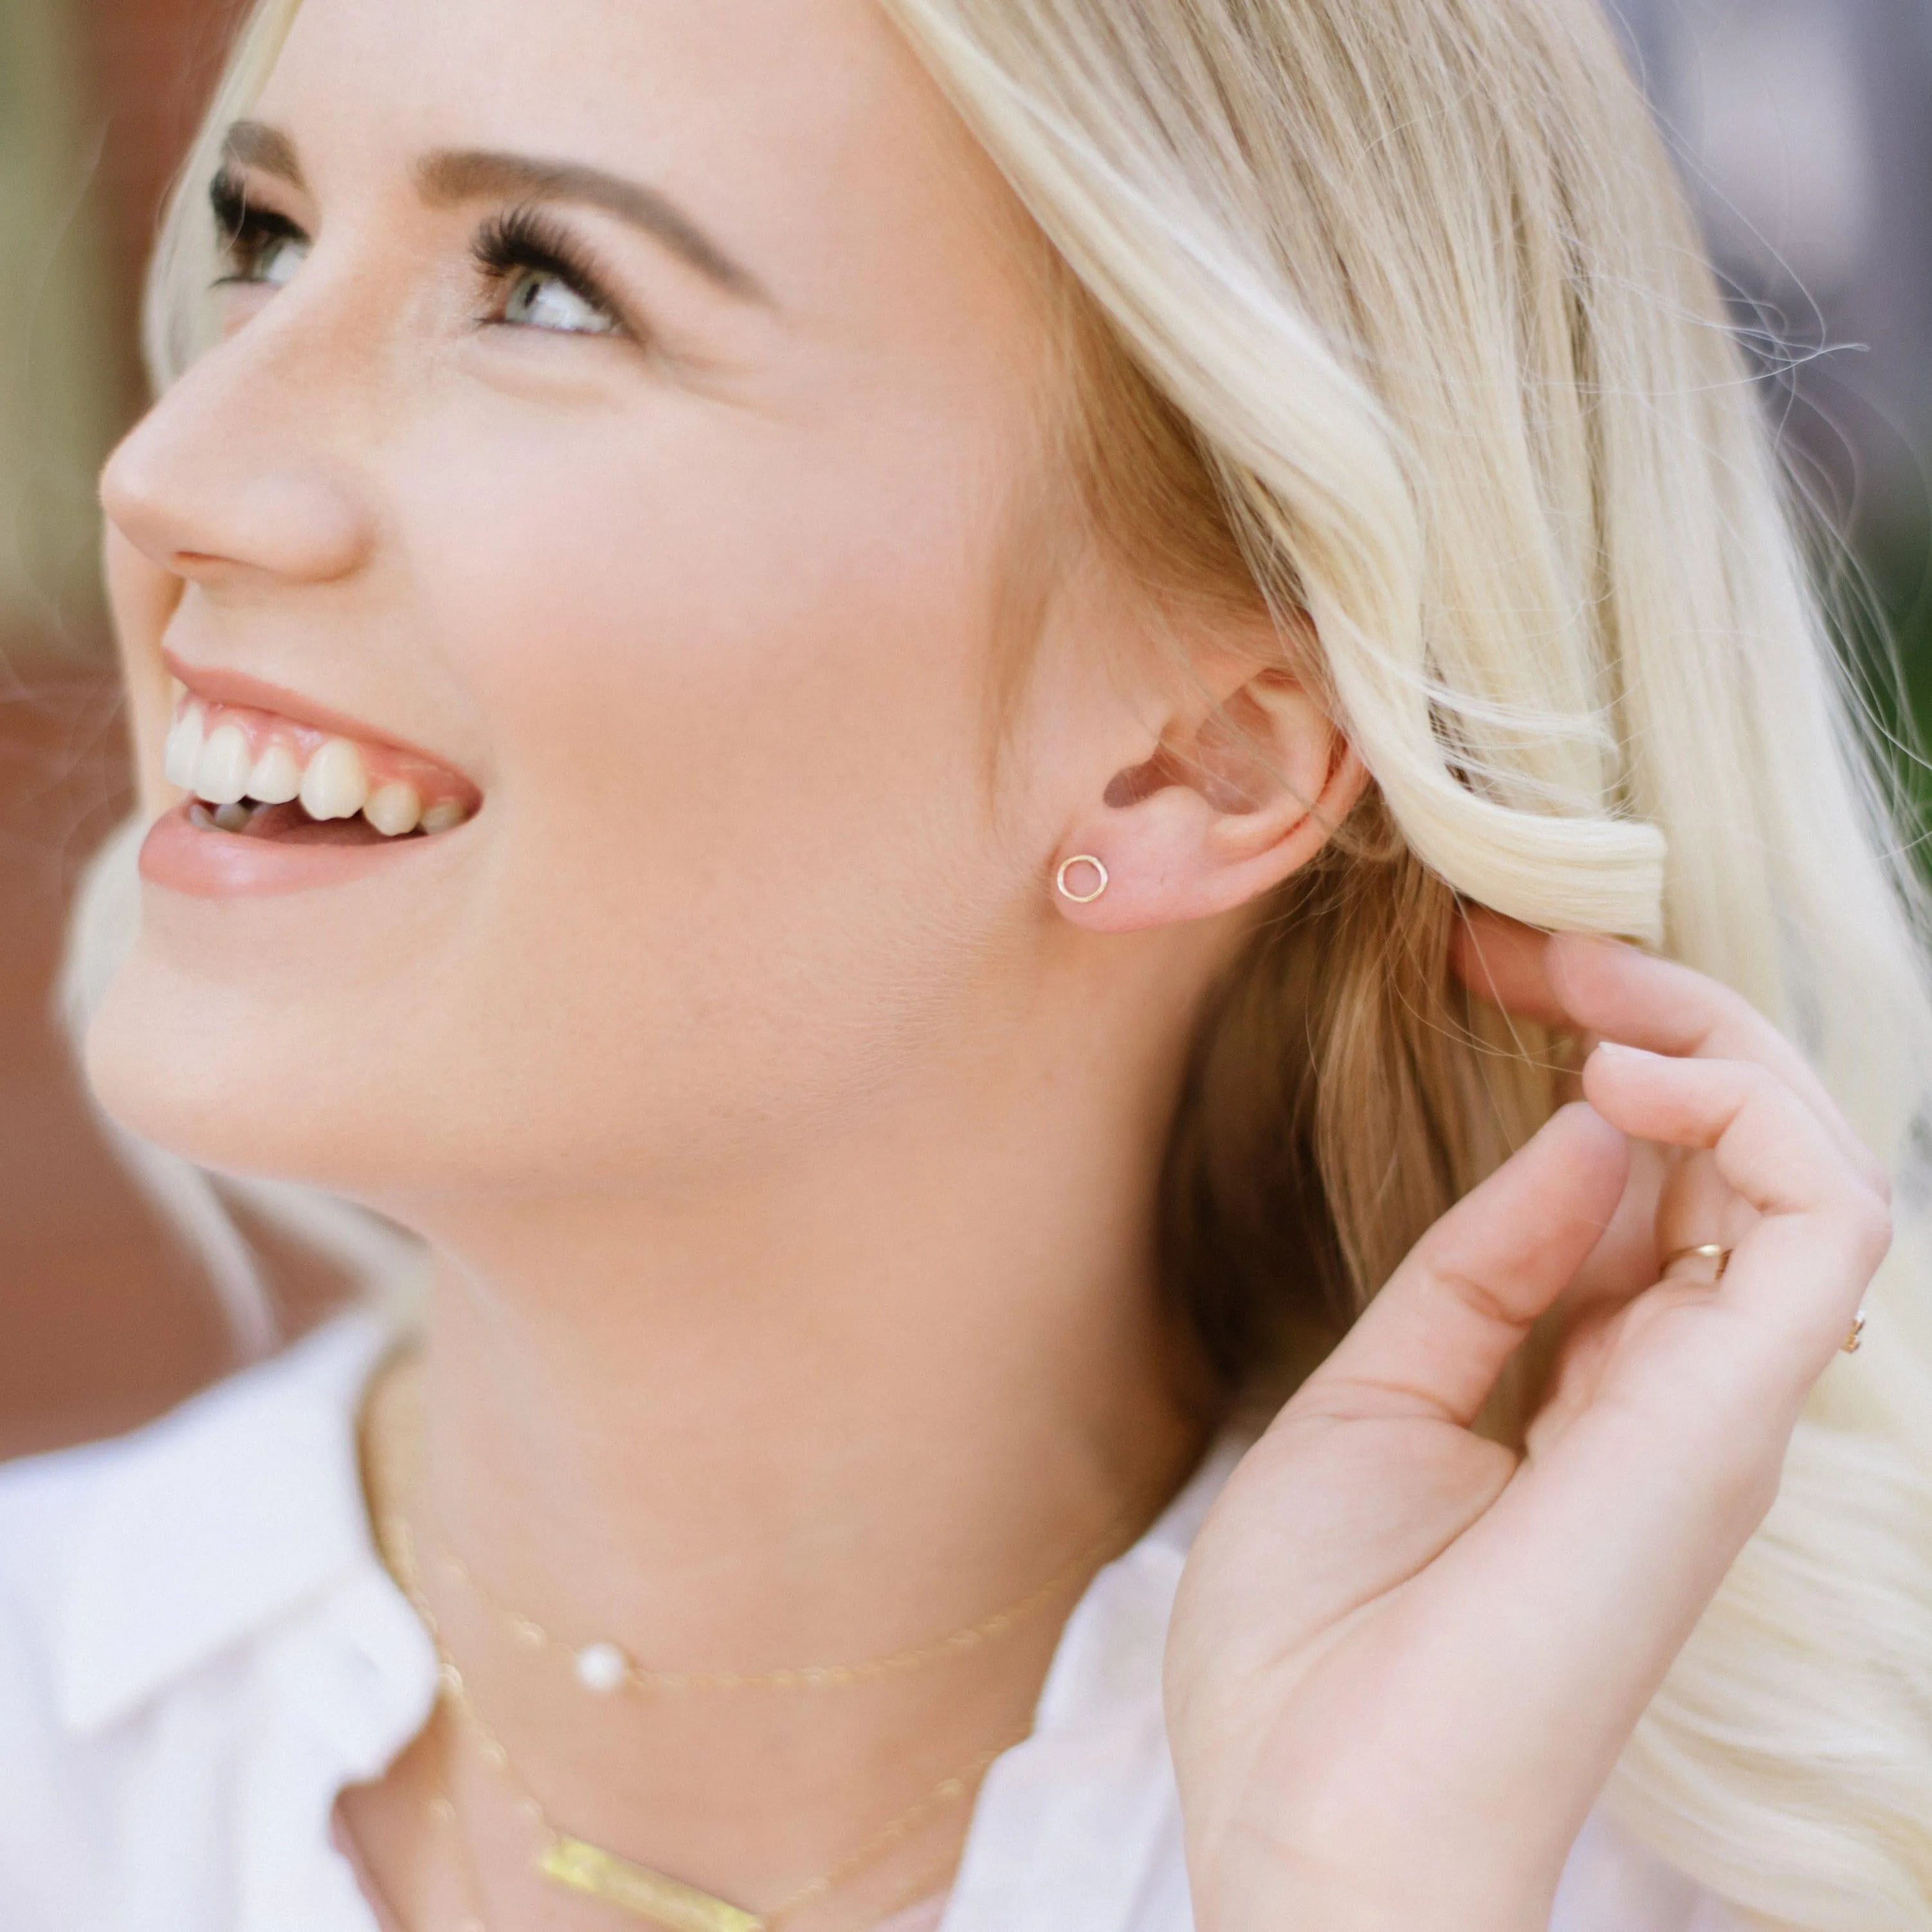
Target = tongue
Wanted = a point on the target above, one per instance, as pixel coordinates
(290, 825)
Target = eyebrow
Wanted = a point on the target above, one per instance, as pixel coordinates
(254, 144)
(448, 175)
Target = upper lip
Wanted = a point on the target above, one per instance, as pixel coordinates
(221, 686)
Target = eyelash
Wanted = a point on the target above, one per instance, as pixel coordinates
(243, 230)
(518, 241)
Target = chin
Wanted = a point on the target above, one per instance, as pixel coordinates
(364, 1088)
(228, 1078)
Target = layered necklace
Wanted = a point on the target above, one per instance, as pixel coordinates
(604, 1668)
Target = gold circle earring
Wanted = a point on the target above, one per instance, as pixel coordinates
(1066, 892)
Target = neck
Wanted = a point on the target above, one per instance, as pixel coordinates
(795, 1428)
(823, 1411)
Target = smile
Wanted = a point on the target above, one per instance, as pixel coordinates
(254, 774)
(277, 803)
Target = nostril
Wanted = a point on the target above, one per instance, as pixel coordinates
(149, 502)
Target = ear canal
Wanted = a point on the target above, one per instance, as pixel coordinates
(1129, 787)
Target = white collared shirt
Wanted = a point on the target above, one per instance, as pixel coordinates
(200, 1648)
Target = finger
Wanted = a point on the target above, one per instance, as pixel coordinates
(1823, 1228)
(1621, 994)
(1695, 1207)
(1602, 986)
(1436, 1339)
(1502, 961)
(1662, 1005)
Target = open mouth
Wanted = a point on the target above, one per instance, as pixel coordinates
(255, 774)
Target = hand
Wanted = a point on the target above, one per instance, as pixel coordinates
(1404, 1659)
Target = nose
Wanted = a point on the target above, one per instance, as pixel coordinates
(230, 478)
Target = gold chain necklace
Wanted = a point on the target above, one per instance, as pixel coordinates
(443, 1814)
(602, 1666)
(582, 1866)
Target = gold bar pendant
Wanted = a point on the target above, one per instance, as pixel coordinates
(637, 1888)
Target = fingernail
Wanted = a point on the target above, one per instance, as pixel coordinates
(1619, 1051)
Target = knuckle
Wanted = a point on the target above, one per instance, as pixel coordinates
(1481, 1298)
(1760, 1089)
(1728, 1022)
(1874, 1229)
(1864, 1218)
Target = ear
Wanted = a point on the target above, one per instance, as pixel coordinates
(1249, 779)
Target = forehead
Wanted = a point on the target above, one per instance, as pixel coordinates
(805, 132)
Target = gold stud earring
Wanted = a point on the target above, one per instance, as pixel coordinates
(1067, 892)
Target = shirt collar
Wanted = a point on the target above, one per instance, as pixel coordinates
(215, 1522)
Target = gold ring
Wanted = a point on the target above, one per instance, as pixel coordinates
(1856, 1340)
(1705, 1251)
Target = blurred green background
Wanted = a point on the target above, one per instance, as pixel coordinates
(1803, 128)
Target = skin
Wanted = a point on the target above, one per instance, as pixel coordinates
(786, 1146)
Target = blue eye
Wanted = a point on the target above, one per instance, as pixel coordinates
(546, 282)
(540, 298)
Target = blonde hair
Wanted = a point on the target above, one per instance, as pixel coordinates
(1400, 320)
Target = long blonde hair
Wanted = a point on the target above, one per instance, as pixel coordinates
(1392, 315)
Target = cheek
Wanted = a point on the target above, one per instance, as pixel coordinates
(736, 861)
(741, 802)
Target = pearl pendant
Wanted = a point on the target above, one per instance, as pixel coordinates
(601, 1668)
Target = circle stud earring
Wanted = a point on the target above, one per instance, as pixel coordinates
(1066, 891)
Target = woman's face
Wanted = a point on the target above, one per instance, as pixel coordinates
(629, 428)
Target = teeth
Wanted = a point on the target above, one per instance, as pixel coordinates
(393, 809)
(216, 767)
(335, 785)
(277, 777)
(183, 748)
(221, 772)
(443, 816)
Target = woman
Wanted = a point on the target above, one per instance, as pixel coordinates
(879, 710)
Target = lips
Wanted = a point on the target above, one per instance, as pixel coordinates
(280, 801)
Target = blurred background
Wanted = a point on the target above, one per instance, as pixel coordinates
(1803, 128)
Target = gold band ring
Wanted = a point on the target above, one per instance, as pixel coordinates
(1705, 1251)
(1856, 1340)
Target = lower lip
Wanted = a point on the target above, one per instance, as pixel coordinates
(216, 865)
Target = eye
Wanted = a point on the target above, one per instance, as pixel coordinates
(275, 262)
(541, 299)
(258, 248)
(543, 279)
